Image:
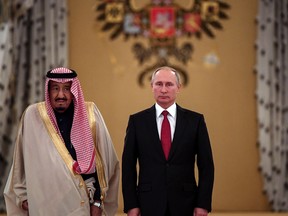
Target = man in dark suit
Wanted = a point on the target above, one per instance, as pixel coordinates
(164, 184)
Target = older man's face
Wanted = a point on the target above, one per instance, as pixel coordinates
(60, 95)
(165, 88)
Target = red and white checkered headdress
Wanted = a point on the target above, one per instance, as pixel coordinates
(81, 135)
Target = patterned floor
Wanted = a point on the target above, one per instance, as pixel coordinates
(231, 214)
(241, 214)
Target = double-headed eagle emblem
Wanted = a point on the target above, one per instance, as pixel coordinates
(163, 23)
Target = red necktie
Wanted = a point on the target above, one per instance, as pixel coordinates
(166, 134)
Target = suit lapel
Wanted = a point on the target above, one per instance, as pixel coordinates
(153, 130)
(181, 123)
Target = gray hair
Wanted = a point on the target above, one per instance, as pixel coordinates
(178, 80)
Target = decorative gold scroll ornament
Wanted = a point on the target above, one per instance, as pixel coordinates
(162, 23)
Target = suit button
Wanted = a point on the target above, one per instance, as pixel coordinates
(167, 165)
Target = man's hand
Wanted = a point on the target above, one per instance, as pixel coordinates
(200, 212)
(95, 211)
(25, 205)
(134, 212)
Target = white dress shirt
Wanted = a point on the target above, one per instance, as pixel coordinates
(171, 117)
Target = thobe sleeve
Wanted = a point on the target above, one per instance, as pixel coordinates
(111, 164)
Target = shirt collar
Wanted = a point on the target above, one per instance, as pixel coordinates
(171, 110)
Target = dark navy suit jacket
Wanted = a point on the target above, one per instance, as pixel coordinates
(156, 184)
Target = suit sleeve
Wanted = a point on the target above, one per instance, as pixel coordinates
(205, 167)
(129, 169)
